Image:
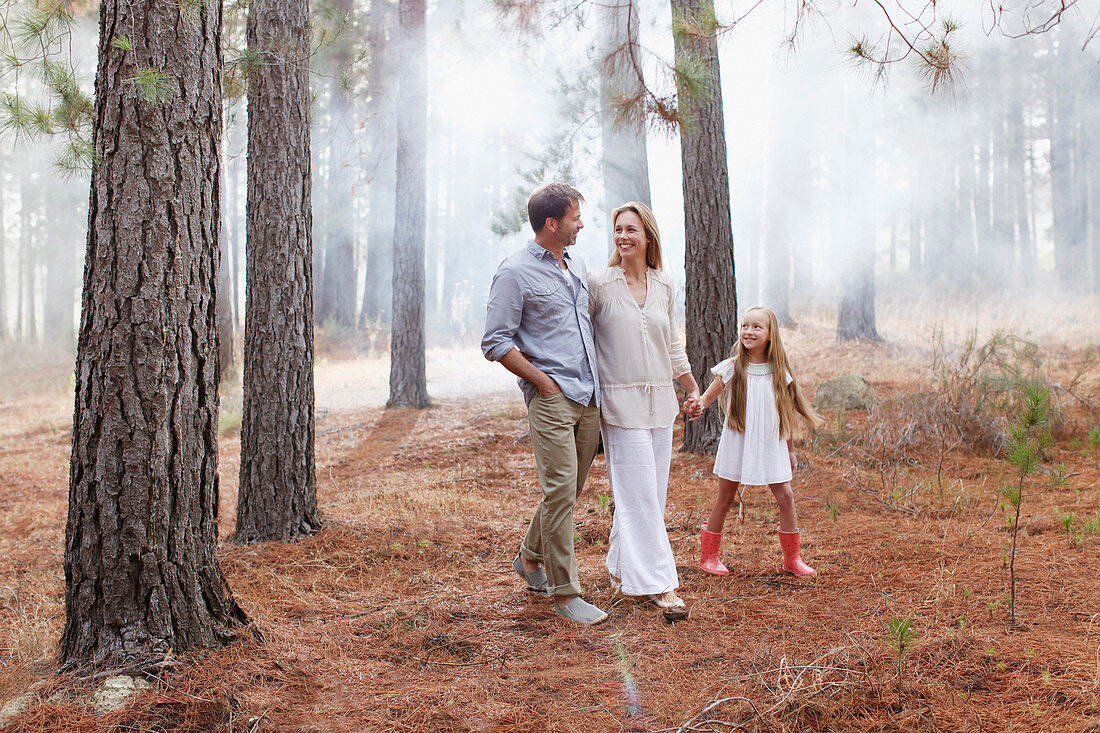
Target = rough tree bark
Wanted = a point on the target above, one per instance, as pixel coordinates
(408, 380)
(378, 286)
(625, 162)
(141, 577)
(711, 310)
(277, 498)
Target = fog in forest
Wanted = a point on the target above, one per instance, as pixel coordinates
(984, 194)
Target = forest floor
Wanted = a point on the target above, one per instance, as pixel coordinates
(403, 614)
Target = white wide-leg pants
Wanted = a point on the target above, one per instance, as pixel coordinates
(637, 466)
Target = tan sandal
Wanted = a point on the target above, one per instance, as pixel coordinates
(671, 605)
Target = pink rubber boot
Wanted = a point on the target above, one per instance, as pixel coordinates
(792, 558)
(708, 556)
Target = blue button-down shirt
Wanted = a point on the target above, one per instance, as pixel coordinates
(542, 310)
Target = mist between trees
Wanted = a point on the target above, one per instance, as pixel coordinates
(839, 180)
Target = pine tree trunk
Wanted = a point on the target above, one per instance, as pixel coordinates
(27, 309)
(141, 577)
(408, 379)
(340, 276)
(711, 308)
(277, 497)
(378, 285)
(224, 290)
(856, 313)
(1069, 261)
(916, 174)
(1017, 177)
(3, 267)
(625, 161)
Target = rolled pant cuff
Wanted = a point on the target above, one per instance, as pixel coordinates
(569, 589)
(530, 554)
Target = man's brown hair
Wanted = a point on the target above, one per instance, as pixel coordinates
(551, 202)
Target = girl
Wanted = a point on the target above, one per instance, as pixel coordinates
(761, 400)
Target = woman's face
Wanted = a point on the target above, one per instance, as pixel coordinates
(630, 239)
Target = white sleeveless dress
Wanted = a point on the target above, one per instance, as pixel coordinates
(756, 457)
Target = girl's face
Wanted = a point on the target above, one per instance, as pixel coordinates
(630, 238)
(755, 334)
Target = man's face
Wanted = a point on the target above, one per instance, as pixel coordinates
(569, 225)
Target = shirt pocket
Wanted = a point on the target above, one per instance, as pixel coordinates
(547, 299)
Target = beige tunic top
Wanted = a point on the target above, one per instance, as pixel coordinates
(637, 352)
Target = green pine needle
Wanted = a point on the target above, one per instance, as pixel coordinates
(152, 85)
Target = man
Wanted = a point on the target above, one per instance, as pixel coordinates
(538, 327)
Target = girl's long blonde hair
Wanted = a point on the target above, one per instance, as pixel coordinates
(789, 398)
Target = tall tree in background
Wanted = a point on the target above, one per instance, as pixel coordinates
(141, 577)
(336, 299)
(277, 498)
(3, 270)
(61, 246)
(408, 379)
(856, 246)
(1066, 180)
(226, 324)
(624, 160)
(711, 309)
(381, 167)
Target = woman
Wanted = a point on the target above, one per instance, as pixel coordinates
(638, 354)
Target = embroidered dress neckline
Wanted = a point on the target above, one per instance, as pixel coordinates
(760, 370)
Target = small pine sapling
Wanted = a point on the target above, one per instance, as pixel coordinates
(900, 633)
(1027, 439)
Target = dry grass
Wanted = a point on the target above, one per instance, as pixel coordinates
(402, 614)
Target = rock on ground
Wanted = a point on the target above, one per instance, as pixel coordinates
(115, 692)
(849, 392)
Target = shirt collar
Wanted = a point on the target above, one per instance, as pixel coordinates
(541, 252)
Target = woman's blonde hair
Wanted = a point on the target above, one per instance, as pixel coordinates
(652, 235)
(789, 398)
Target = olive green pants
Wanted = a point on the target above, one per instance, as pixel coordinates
(564, 436)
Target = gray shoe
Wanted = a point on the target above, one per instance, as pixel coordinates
(536, 579)
(581, 611)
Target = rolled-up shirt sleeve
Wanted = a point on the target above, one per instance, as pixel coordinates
(677, 356)
(502, 317)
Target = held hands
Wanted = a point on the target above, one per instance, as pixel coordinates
(693, 406)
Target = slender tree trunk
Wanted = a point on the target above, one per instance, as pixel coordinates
(141, 577)
(234, 227)
(1064, 167)
(60, 283)
(711, 308)
(1017, 177)
(277, 498)
(225, 291)
(856, 314)
(983, 193)
(777, 249)
(340, 276)
(408, 378)
(916, 175)
(378, 285)
(625, 161)
(28, 320)
(3, 268)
